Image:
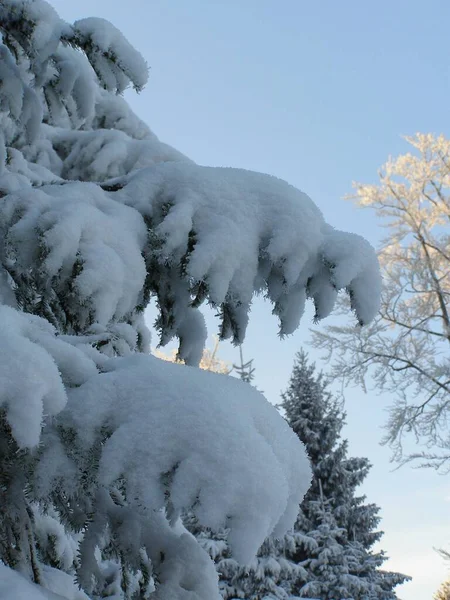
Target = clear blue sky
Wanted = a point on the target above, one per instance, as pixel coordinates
(319, 94)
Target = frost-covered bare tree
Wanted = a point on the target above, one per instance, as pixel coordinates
(210, 360)
(406, 349)
(102, 446)
(443, 593)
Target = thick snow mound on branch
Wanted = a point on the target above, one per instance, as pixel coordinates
(187, 572)
(351, 264)
(238, 232)
(114, 59)
(230, 210)
(86, 243)
(203, 440)
(234, 233)
(95, 156)
(190, 234)
(31, 383)
(34, 366)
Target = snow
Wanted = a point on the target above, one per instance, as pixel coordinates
(184, 563)
(199, 437)
(94, 157)
(112, 56)
(57, 585)
(61, 584)
(31, 384)
(18, 99)
(76, 81)
(354, 266)
(236, 232)
(241, 232)
(76, 224)
(14, 586)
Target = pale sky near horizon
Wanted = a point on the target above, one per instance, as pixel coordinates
(319, 94)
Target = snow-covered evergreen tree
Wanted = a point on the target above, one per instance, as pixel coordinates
(102, 446)
(245, 369)
(341, 563)
(265, 577)
(328, 567)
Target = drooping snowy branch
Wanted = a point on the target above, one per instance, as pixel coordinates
(88, 247)
(155, 438)
(236, 233)
(97, 217)
(114, 59)
(219, 235)
(215, 235)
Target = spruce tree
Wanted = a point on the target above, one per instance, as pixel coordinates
(329, 564)
(104, 447)
(245, 370)
(329, 553)
(341, 523)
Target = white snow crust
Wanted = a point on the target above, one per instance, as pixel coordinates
(57, 585)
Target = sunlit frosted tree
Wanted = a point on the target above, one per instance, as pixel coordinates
(406, 348)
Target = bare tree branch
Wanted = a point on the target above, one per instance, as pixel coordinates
(405, 351)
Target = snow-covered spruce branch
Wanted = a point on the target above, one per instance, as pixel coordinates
(103, 446)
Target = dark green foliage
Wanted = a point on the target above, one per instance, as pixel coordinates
(341, 523)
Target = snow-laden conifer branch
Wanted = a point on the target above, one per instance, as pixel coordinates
(236, 233)
(97, 216)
